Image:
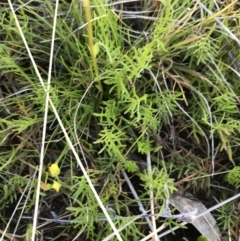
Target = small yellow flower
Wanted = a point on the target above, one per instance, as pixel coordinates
(56, 186)
(54, 170)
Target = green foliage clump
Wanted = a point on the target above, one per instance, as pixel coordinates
(133, 83)
(233, 177)
(158, 181)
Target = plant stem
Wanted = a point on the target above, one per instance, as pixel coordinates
(86, 6)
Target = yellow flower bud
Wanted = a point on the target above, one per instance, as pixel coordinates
(95, 49)
(56, 186)
(54, 170)
(45, 186)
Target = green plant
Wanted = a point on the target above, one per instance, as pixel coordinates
(164, 110)
(233, 177)
(202, 238)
